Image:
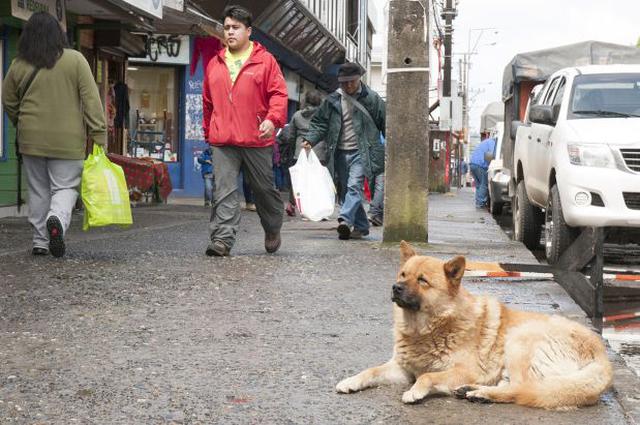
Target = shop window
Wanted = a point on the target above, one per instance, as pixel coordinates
(153, 96)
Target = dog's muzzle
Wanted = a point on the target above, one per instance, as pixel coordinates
(403, 298)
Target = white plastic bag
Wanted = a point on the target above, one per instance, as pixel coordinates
(313, 187)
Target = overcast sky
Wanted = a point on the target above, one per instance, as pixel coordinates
(525, 25)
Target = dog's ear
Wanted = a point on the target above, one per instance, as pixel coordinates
(406, 252)
(454, 270)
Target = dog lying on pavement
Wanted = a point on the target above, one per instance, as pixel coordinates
(449, 341)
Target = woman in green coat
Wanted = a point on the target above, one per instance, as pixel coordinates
(50, 97)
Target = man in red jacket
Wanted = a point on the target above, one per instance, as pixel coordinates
(244, 101)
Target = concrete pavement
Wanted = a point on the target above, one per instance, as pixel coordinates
(138, 326)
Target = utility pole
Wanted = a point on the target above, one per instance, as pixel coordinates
(448, 14)
(407, 129)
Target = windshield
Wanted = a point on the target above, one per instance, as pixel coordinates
(605, 95)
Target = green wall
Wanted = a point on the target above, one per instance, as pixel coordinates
(8, 162)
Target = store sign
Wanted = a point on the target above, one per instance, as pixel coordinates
(152, 7)
(23, 9)
(174, 4)
(162, 48)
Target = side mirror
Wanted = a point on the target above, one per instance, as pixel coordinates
(556, 112)
(542, 114)
(514, 128)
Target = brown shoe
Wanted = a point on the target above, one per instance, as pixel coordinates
(217, 249)
(272, 242)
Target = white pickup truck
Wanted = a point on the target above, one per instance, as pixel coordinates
(577, 156)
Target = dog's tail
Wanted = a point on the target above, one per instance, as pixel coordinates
(568, 391)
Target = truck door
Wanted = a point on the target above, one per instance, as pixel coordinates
(524, 138)
(540, 146)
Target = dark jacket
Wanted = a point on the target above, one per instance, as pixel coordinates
(326, 125)
(207, 168)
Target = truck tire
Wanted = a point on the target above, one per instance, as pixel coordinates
(558, 236)
(527, 219)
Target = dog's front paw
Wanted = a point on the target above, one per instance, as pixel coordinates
(473, 394)
(414, 395)
(461, 392)
(349, 385)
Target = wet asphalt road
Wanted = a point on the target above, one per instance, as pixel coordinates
(138, 326)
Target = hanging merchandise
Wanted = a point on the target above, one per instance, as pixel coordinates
(205, 47)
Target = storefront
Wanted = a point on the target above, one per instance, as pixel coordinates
(156, 101)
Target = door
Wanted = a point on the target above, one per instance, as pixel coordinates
(540, 150)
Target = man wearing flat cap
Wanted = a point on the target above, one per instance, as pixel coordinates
(350, 120)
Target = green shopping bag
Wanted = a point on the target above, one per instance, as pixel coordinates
(104, 192)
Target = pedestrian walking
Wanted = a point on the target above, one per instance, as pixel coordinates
(479, 165)
(244, 100)
(463, 169)
(376, 207)
(206, 168)
(350, 121)
(50, 97)
(247, 193)
(297, 130)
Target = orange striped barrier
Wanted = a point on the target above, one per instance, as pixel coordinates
(540, 271)
(620, 317)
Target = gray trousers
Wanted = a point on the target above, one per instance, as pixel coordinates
(53, 190)
(257, 164)
(376, 207)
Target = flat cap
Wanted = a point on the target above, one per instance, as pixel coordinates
(349, 71)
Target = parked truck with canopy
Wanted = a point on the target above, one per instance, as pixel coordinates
(573, 148)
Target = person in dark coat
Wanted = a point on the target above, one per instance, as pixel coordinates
(296, 132)
(350, 121)
(206, 168)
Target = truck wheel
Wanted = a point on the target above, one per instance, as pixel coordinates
(527, 222)
(558, 236)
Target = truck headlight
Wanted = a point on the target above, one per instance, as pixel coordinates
(591, 156)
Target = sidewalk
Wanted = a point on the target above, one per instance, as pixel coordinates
(139, 326)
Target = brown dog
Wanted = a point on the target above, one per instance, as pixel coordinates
(449, 341)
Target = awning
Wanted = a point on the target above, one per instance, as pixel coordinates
(191, 21)
(289, 24)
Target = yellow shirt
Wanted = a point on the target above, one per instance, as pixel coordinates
(235, 61)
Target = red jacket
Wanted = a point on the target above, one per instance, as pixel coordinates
(233, 113)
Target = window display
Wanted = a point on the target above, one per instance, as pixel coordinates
(153, 94)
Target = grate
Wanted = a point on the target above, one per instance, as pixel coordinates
(632, 159)
(632, 199)
(596, 200)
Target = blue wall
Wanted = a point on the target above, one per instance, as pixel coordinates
(185, 175)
